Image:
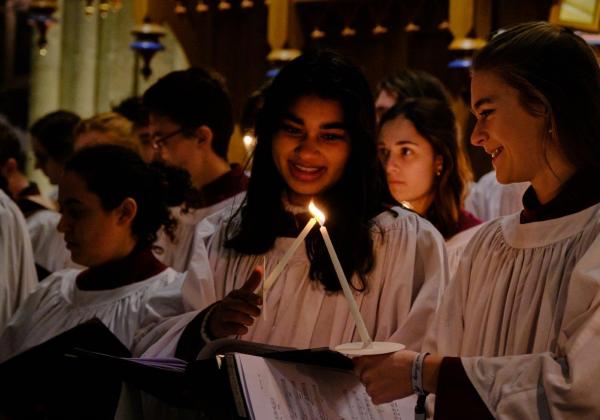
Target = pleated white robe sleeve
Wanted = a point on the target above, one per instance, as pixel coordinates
(403, 288)
(523, 312)
(178, 252)
(17, 267)
(455, 246)
(59, 305)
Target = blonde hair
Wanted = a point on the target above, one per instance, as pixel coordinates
(113, 128)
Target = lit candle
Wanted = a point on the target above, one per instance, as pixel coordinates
(360, 324)
(286, 257)
(249, 141)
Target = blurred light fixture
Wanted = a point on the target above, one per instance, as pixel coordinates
(379, 29)
(348, 31)
(147, 43)
(201, 6)
(224, 5)
(104, 8)
(317, 33)
(40, 17)
(412, 27)
(180, 8)
(89, 9)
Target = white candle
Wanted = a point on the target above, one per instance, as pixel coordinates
(286, 257)
(360, 324)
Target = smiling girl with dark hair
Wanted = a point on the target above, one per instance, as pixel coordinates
(315, 142)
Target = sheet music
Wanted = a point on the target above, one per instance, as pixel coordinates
(283, 390)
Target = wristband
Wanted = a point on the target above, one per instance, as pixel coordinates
(204, 332)
(417, 374)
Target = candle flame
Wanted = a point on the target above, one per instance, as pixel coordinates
(318, 214)
(249, 141)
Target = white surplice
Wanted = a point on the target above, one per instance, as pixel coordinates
(488, 199)
(59, 305)
(456, 245)
(177, 253)
(410, 272)
(49, 247)
(17, 267)
(523, 312)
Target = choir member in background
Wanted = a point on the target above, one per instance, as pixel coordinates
(52, 140)
(488, 199)
(17, 268)
(49, 249)
(516, 335)
(106, 128)
(133, 109)
(406, 84)
(112, 205)
(191, 122)
(426, 168)
(315, 141)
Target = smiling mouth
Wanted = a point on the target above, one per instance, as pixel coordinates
(496, 152)
(305, 173)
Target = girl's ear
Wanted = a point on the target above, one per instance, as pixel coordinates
(127, 211)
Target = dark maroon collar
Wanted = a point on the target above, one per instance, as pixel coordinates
(579, 192)
(28, 207)
(227, 185)
(137, 266)
(466, 221)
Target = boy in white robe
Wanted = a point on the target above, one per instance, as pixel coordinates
(517, 331)
(191, 123)
(17, 267)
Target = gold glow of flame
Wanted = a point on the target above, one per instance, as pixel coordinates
(317, 214)
(249, 140)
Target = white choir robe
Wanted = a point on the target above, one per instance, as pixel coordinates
(177, 253)
(523, 313)
(49, 246)
(17, 267)
(456, 245)
(409, 274)
(59, 305)
(488, 199)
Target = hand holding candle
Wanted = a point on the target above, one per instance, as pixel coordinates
(235, 313)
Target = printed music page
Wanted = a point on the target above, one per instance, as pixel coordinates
(283, 390)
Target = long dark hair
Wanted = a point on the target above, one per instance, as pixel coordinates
(552, 67)
(350, 204)
(434, 120)
(115, 173)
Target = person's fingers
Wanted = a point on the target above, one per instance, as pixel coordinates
(241, 306)
(235, 317)
(244, 295)
(365, 363)
(254, 279)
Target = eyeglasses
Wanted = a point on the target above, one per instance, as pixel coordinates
(161, 141)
